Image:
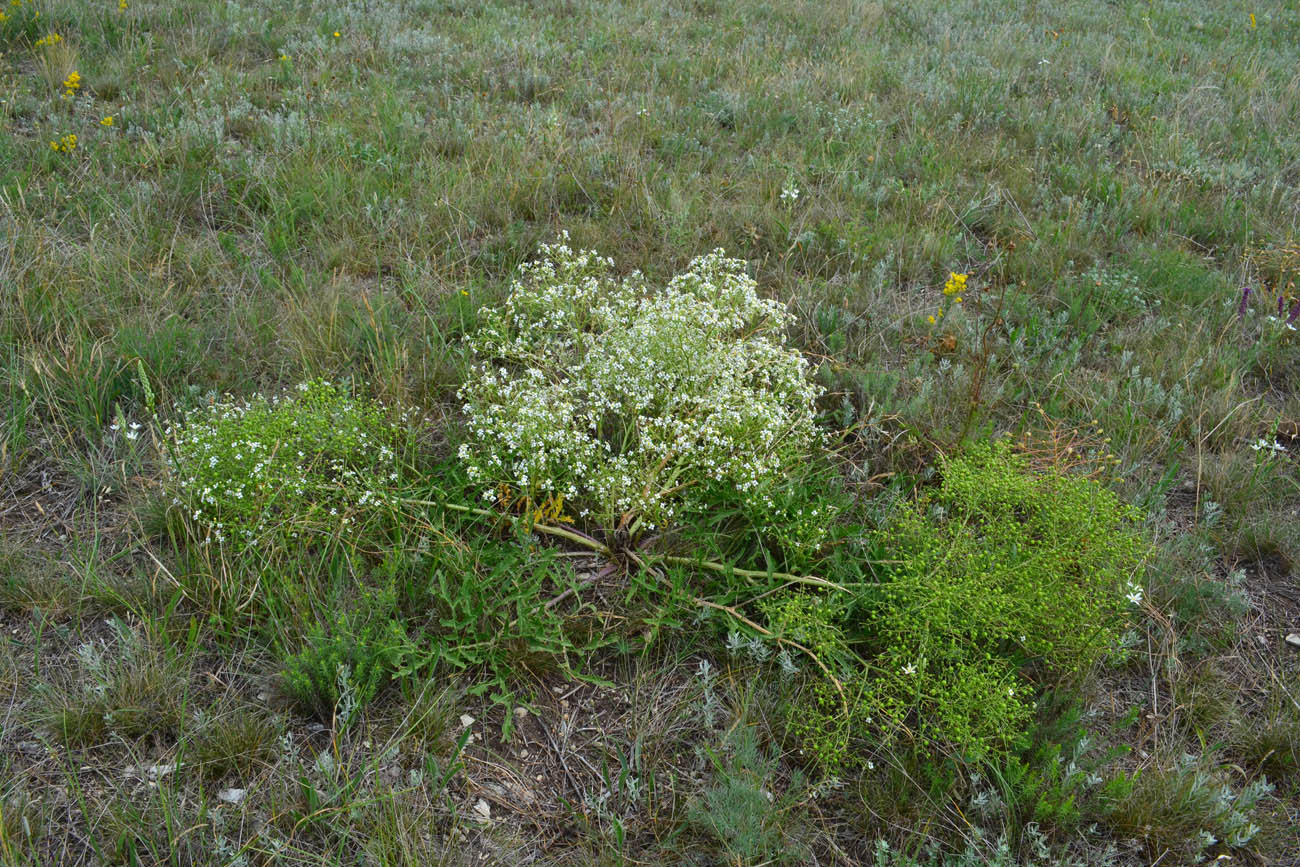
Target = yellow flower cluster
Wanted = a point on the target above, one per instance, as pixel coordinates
(65, 145)
(18, 4)
(955, 286)
(71, 84)
(121, 5)
(952, 289)
(107, 121)
(49, 39)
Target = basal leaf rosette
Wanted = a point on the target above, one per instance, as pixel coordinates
(617, 403)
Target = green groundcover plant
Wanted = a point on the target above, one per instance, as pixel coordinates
(997, 582)
(268, 473)
(1001, 579)
(623, 403)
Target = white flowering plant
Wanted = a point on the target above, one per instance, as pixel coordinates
(267, 473)
(613, 403)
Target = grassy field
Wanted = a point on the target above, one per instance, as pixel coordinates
(207, 199)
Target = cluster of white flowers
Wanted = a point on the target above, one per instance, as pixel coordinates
(1270, 447)
(259, 470)
(625, 399)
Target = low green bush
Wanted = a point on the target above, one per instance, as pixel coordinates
(1188, 809)
(344, 662)
(999, 579)
(996, 582)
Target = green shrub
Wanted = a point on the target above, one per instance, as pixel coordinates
(621, 403)
(997, 581)
(344, 662)
(1000, 577)
(817, 719)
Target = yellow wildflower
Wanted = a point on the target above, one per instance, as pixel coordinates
(336, 34)
(930, 319)
(956, 283)
(107, 121)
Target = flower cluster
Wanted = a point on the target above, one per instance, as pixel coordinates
(1288, 306)
(627, 400)
(71, 84)
(951, 290)
(1268, 447)
(49, 39)
(16, 6)
(65, 145)
(256, 472)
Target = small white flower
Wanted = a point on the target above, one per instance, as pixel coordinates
(1134, 595)
(909, 669)
(790, 195)
(131, 435)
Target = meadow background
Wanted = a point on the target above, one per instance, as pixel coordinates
(261, 193)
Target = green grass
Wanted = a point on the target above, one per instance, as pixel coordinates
(273, 204)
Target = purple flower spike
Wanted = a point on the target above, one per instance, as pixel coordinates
(1295, 311)
(1245, 296)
